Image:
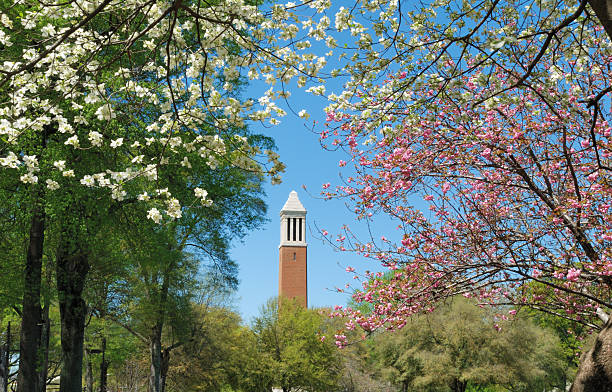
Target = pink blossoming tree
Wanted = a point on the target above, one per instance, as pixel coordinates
(495, 162)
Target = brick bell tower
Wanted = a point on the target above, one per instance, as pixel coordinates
(292, 251)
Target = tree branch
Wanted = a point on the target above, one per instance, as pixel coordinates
(126, 327)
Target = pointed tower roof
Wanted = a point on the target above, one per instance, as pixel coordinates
(293, 204)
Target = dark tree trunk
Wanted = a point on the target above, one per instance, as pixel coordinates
(72, 268)
(103, 367)
(458, 385)
(3, 370)
(88, 372)
(165, 365)
(155, 375)
(31, 321)
(44, 345)
(603, 10)
(5, 351)
(156, 359)
(595, 370)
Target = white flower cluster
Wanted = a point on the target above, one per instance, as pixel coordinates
(212, 147)
(11, 160)
(189, 87)
(31, 165)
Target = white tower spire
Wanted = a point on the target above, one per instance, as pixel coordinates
(293, 222)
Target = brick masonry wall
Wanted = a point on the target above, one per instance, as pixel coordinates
(292, 281)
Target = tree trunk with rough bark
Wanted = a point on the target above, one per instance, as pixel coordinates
(72, 268)
(165, 365)
(31, 315)
(44, 345)
(103, 367)
(155, 375)
(603, 11)
(88, 372)
(4, 360)
(595, 370)
(156, 359)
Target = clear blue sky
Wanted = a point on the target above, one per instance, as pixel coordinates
(309, 165)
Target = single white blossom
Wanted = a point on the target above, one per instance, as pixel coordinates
(118, 193)
(304, 114)
(105, 113)
(200, 193)
(60, 165)
(117, 143)
(144, 197)
(95, 138)
(88, 181)
(52, 185)
(72, 141)
(154, 215)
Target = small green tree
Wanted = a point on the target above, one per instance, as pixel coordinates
(457, 346)
(289, 338)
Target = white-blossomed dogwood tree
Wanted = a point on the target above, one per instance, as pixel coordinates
(97, 98)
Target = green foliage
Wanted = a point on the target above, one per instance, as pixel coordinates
(289, 340)
(570, 332)
(216, 356)
(456, 346)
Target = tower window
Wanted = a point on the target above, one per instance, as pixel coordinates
(288, 229)
(294, 224)
(300, 228)
(294, 256)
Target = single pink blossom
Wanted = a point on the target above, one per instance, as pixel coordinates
(573, 274)
(585, 143)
